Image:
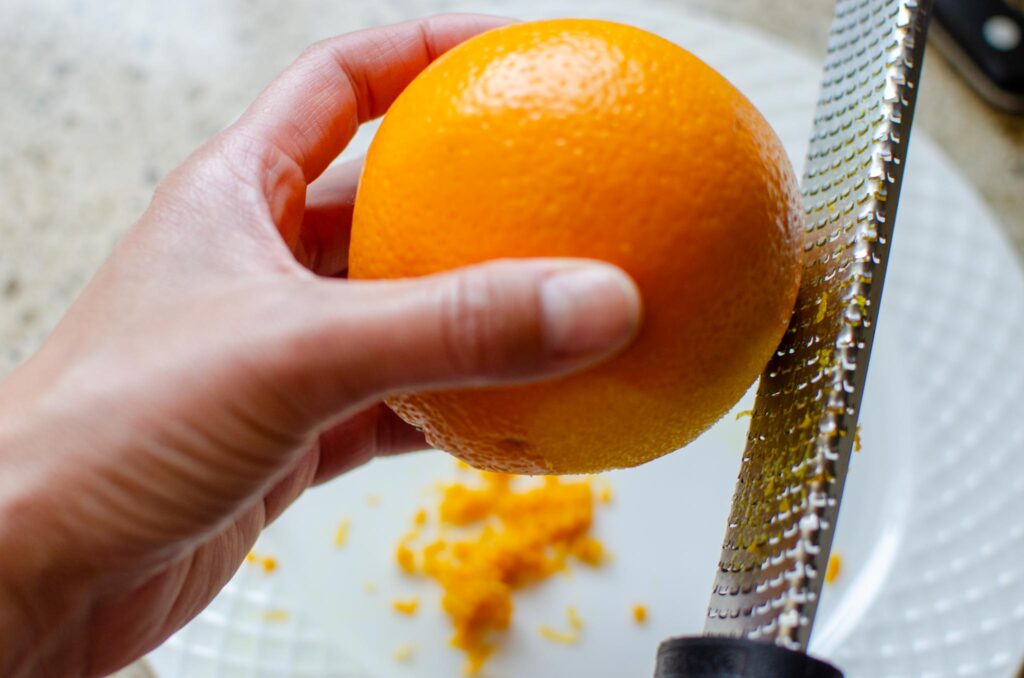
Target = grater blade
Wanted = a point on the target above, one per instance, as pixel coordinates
(802, 431)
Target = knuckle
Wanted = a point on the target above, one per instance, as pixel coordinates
(323, 59)
(232, 159)
(319, 50)
(243, 157)
(491, 325)
(226, 172)
(468, 307)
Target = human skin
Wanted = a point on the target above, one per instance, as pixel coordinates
(219, 364)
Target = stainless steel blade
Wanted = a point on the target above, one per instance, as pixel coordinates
(798, 449)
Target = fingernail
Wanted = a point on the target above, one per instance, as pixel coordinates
(588, 310)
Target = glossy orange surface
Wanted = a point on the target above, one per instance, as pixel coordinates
(590, 139)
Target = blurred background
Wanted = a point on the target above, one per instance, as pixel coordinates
(101, 99)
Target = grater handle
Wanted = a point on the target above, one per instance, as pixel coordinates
(721, 657)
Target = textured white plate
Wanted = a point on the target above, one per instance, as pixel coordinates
(932, 527)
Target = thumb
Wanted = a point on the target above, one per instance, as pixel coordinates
(502, 322)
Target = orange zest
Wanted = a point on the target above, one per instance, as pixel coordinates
(496, 536)
(406, 606)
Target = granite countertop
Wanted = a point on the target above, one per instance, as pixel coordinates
(102, 99)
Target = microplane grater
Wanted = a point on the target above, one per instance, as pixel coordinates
(803, 426)
(802, 429)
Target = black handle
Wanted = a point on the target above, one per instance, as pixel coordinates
(714, 657)
(988, 44)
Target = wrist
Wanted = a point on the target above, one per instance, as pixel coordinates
(17, 633)
(17, 636)
(40, 589)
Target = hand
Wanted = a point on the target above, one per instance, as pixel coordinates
(217, 365)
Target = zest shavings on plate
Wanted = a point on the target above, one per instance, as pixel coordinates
(496, 534)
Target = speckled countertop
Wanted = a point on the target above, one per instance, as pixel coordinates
(101, 99)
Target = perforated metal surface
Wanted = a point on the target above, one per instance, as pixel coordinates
(801, 435)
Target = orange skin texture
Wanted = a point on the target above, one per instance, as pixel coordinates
(582, 138)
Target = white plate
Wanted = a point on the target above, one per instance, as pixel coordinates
(932, 526)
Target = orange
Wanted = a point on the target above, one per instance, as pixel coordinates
(590, 139)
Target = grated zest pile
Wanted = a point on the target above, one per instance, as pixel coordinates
(495, 536)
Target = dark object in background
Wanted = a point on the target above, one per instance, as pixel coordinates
(984, 40)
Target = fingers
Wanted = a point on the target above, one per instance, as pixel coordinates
(311, 111)
(326, 224)
(373, 432)
(255, 173)
(502, 322)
